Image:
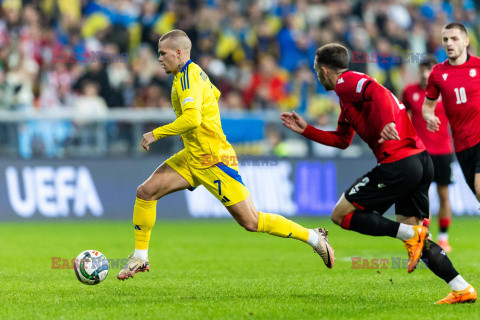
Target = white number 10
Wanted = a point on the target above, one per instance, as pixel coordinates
(461, 95)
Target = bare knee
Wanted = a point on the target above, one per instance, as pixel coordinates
(144, 193)
(338, 214)
(337, 217)
(342, 209)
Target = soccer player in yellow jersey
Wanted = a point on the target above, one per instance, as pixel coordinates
(208, 159)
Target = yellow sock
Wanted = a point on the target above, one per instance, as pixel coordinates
(279, 226)
(144, 214)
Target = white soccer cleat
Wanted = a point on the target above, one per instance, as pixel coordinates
(133, 266)
(323, 247)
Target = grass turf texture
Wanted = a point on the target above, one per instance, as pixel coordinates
(213, 269)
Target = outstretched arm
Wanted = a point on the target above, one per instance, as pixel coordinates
(428, 112)
(430, 102)
(341, 138)
(189, 120)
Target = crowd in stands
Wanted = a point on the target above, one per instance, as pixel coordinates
(95, 55)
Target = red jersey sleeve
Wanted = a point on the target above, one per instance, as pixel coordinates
(432, 90)
(351, 86)
(406, 98)
(341, 138)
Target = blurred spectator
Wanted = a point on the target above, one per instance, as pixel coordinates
(278, 145)
(296, 46)
(267, 88)
(228, 38)
(232, 101)
(56, 88)
(259, 54)
(90, 105)
(96, 73)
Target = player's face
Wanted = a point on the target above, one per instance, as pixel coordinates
(454, 42)
(167, 57)
(322, 76)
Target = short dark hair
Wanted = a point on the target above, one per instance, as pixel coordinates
(456, 25)
(332, 55)
(428, 62)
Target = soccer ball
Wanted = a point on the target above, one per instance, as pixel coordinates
(91, 267)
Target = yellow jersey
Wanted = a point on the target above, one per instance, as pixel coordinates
(206, 145)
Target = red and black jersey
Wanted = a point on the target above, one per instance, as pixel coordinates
(460, 90)
(366, 107)
(439, 142)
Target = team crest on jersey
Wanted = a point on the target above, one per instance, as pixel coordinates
(473, 73)
(445, 75)
(416, 96)
(340, 81)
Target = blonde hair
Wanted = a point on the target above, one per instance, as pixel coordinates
(178, 40)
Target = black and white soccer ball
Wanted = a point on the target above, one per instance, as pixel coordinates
(91, 267)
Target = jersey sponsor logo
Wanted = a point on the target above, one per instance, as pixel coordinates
(473, 73)
(187, 99)
(360, 84)
(444, 76)
(203, 76)
(53, 192)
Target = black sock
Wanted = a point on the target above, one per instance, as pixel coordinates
(437, 261)
(373, 224)
(444, 229)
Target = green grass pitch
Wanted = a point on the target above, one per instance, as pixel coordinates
(213, 269)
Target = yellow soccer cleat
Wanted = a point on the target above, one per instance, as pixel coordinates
(469, 295)
(414, 246)
(443, 243)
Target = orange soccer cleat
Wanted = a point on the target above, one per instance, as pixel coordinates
(463, 296)
(443, 243)
(414, 246)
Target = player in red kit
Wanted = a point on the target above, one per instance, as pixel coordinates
(458, 81)
(402, 176)
(438, 144)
